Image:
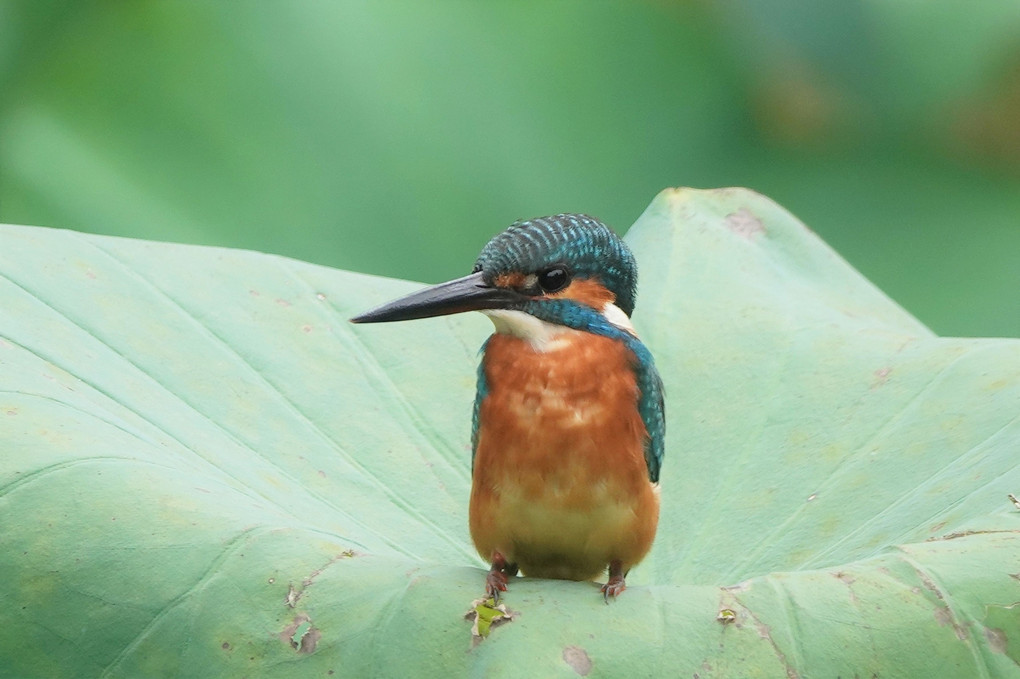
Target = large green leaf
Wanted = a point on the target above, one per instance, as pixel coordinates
(207, 471)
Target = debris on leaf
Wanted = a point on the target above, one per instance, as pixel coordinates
(486, 614)
(1012, 498)
(726, 616)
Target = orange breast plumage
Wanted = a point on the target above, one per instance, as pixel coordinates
(560, 484)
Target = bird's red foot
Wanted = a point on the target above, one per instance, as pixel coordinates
(495, 582)
(616, 583)
(496, 579)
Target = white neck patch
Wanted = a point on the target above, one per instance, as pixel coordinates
(542, 335)
(546, 336)
(615, 315)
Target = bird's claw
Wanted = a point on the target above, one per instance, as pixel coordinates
(613, 588)
(495, 582)
(616, 583)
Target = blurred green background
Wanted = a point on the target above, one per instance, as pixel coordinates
(396, 137)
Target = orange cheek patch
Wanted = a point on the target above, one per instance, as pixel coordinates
(514, 280)
(587, 291)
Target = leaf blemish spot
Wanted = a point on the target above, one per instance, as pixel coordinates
(578, 659)
(727, 616)
(742, 586)
(301, 634)
(996, 639)
(881, 377)
(744, 223)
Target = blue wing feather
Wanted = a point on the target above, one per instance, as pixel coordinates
(651, 405)
(480, 393)
(653, 412)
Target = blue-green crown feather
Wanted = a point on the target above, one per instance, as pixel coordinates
(586, 246)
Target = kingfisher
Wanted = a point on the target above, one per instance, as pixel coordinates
(568, 423)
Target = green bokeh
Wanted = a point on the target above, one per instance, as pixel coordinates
(396, 137)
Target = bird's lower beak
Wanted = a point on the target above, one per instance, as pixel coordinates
(469, 293)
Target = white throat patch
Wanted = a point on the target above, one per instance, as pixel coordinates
(545, 336)
(542, 335)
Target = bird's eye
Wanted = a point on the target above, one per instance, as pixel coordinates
(476, 268)
(553, 279)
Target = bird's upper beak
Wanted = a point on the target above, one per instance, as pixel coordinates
(470, 293)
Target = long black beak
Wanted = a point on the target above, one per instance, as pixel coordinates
(469, 293)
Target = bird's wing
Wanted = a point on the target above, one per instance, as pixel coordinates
(652, 408)
(480, 392)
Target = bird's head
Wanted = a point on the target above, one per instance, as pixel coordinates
(567, 270)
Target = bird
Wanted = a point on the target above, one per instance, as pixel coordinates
(568, 426)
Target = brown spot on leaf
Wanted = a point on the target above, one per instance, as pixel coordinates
(309, 640)
(996, 639)
(741, 586)
(301, 634)
(848, 580)
(744, 223)
(225, 645)
(578, 659)
(968, 533)
(845, 578)
(881, 377)
(295, 593)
